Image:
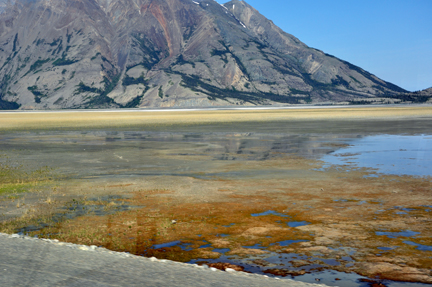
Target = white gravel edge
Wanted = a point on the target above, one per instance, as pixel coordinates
(94, 248)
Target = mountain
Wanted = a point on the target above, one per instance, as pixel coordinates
(164, 53)
(423, 96)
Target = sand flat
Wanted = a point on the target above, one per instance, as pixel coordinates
(134, 118)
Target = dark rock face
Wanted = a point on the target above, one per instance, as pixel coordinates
(163, 53)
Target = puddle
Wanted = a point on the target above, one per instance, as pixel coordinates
(205, 245)
(404, 209)
(297, 223)
(221, 250)
(419, 246)
(358, 201)
(165, 245)
(342, 200)
(386, 248)
(269, 212)
(406, 233)
(331, 262)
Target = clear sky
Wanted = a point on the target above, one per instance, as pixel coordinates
(391, 39)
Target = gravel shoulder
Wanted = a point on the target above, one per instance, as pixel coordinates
(26, 261)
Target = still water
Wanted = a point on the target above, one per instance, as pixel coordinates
(386, 147)
(388, 154)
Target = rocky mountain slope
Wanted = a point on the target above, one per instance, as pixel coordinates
(422, 96)
(164, 53)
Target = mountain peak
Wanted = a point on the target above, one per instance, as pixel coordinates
(139, 53)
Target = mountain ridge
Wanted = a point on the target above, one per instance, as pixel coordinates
(165, 53)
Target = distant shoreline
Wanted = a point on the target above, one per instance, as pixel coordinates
(222, 108)
(140, 118)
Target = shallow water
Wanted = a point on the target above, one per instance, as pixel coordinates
(419, 246)
(388, 154)
(328, 277)
(297, 223)
(269, 212)
(405, 233)
(127, 154)
(399, 147)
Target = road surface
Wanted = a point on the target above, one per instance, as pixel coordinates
(26, 261)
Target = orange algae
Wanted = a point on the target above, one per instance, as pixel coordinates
(343, 209)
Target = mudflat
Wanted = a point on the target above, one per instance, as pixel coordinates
(251, 190)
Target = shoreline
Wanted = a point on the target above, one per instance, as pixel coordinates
(89, 119)
(223, 108)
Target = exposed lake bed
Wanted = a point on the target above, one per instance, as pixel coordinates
(263, 195)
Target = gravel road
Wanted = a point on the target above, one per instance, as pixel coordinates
(26, 261)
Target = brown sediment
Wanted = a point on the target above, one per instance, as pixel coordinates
(120, 185)
(158, 14)
(343, 211)
(372, 283)
(395, 272)
(338, 145)
(285, 272)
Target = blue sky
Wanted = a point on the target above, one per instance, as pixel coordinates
(391, 39)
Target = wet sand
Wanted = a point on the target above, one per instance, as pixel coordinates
(254, 194)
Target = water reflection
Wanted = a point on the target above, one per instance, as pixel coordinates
(116, 153)
(390, 154)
